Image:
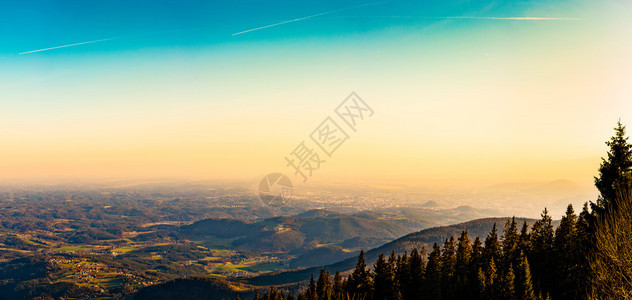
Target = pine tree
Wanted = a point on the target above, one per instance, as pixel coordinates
(523, 284)
(383, 279)
(475, 270)
(448, 266)
(359, 282)
(583, 224)
(392, 264)
(432, 285)
(566, 256)
(323, 285)
(311, 289)
(481, 279)
(489, 281)
(477, 253)
(402, 273)
(610, 265)
(614, 171)
(416, 266)
(524, 240)
(507, 290)
(338, 287)
(584, 244)
(510, 242)
(462, 271)
(492, 246)
(541, 256)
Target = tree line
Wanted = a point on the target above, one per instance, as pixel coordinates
(588, 256)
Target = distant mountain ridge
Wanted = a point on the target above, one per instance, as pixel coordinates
(353, 231)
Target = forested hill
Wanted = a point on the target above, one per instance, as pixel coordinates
(424, 238)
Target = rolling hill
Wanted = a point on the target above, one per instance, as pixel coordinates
(424, 238)
(316, 227)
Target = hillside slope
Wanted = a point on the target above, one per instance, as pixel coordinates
(424, 238)
(287, 233)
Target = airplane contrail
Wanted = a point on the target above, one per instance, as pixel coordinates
(513, 18)
(404, 17)
(308, 17)
(280, 23)
(64, 46)
(114, 38)
(463, 17)
(327, 13)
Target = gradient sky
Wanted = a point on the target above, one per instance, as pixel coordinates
(464, 91)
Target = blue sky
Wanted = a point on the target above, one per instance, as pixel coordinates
(31, 25)
(170, 90)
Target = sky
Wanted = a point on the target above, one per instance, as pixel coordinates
(461, 91)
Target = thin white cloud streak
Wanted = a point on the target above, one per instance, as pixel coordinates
(280, 23)
(404, 17)
(322, 14)
(308, 17)
(514, 18)
(65, 46)
(463, 17)
(113, 38)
